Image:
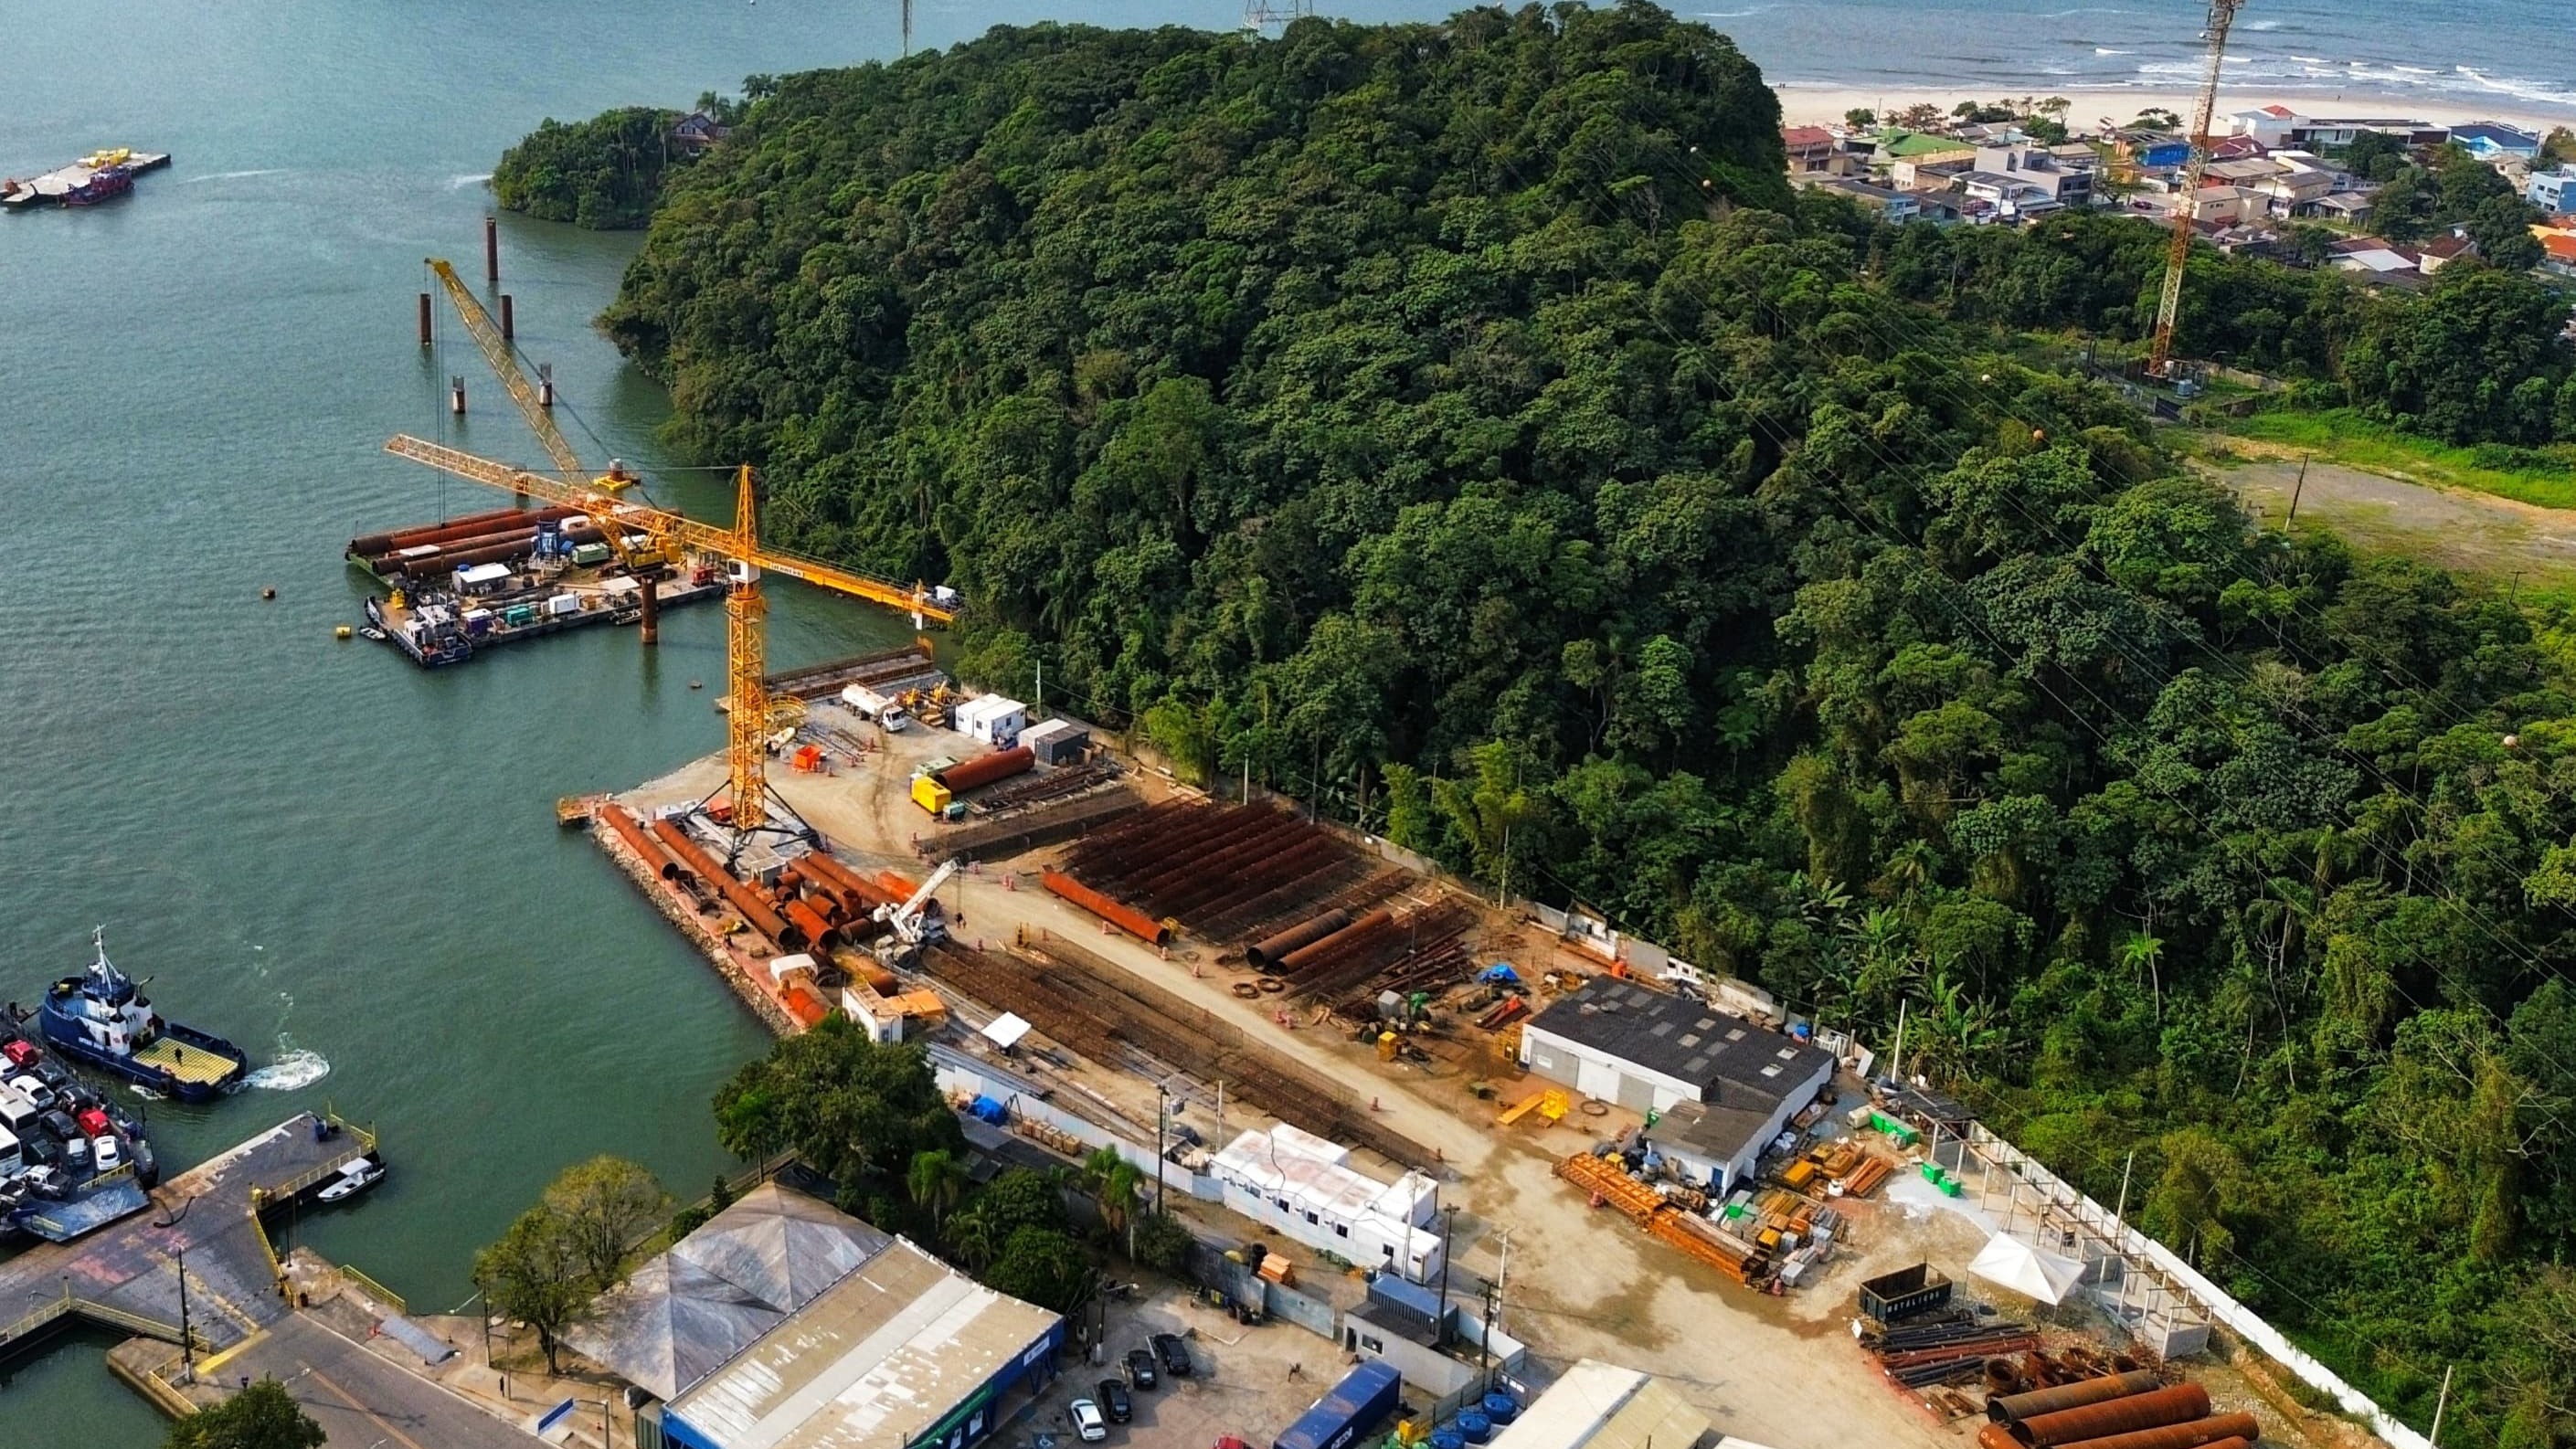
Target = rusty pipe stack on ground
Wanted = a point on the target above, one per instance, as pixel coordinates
(2151, 1410)
(1263, 955)
(754, 910)
(2013, 1408)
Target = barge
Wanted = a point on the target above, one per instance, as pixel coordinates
(99, 176)
(71, 1160)
(457, 588)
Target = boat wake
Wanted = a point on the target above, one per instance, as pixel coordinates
(459, 183)
(234, 175)
(293, 1069)
(145, 1093)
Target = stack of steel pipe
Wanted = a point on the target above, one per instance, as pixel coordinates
(488, 548)
(1262, 955)
(2013, 1408)
(1348, 938)
(2154, 1409)
(864, 895)
(465, 526)
(742, 897)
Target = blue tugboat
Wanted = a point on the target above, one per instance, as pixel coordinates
(101, 1020)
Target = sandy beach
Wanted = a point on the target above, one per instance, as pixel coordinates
(1803, 104)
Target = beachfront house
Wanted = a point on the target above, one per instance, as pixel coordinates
(2146, 150)
(2267, 126)
(1893, 206)
(2066, 180)
(2493, 141)
(2552, 191)
(1815, 151)
(2013, 196)
(1897, 144)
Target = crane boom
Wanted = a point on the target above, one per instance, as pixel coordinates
(505, 366)
(2222, 14)
(670, 530)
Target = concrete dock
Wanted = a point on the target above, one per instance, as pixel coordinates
(128, 1276)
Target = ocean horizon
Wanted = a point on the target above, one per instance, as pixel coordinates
(2516, 55)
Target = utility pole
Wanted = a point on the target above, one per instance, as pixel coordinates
(1896, 1062)
(1162, 1115)
(2295, 490)
(187, 1339)
(2120, 1213)
(2444, 1402)
(1448, 1227)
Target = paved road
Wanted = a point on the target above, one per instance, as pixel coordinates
(362, 1400)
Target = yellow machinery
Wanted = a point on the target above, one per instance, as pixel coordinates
(929, 794)
(505, 366)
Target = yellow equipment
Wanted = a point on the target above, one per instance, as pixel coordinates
(929, 794)
(498, 353)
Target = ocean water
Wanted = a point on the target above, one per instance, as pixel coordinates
(350, 866)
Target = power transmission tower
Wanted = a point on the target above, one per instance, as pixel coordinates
(1261, 16)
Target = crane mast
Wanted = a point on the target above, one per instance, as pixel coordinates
(505, 366)
(2222, 14)
(746, 643)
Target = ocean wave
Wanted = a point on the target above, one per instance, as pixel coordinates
(2081, 10)
(2262, 24)
(234, 175)
(2521, 90)
(294, 1067)
(2106, 50)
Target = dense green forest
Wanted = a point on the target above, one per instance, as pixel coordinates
(605, 173)
(1463, 426)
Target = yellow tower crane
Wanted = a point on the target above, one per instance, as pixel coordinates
(2222, 14)
(672, 535)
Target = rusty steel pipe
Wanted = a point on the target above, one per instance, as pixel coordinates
(2013, 1408)
(655, 858)
(2151, 1410)
(864, 894)
(2237, 1429)
(742, 897)
(523, 535)
(986, 769)
(1348, 936)
(464, 525)
(819, 934)
(1997, 1435)
(1264, 954)
(1126, 918)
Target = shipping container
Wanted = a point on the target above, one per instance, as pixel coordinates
(563, 604)
(1892, 1296)
(1366, 1395)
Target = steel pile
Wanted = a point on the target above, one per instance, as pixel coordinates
(1948, 1349)
(1202, 865)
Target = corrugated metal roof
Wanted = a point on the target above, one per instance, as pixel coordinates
(1603, 1406)
(881, 1356)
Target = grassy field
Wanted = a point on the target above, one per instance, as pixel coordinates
(2343, 436)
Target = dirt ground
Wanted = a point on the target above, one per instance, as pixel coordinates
(2472, 533)
(1576, 1283)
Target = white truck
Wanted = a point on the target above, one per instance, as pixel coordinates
(870, 705)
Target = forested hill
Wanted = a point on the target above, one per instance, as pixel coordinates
(1454, 423)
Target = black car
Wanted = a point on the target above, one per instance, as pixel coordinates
(1140, 1368)
(1174, 1354)
(1114, 1401)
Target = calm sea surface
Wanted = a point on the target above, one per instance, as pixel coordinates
(342, 862)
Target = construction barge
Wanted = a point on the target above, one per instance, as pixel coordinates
(99, 176)
(457, 588)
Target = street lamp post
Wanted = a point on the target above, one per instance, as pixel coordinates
(187, 1339)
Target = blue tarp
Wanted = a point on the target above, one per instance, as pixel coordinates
(1501, 973)
(989, 1110)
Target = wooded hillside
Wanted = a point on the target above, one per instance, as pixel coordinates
(1458, 424)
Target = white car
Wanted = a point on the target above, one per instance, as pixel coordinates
(38, 1095)
(107, 1153)
(1088, 1422)
(354, 1179)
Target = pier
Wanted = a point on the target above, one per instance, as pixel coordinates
(131, 1276)
(78, 183)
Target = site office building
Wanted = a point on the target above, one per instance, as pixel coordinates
(1305, 1187)
(1725, 1086)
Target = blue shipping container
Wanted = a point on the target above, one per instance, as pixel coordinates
(1365, 1395)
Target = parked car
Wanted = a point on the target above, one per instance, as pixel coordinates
(1088, 1424)
(1175, 1355)
(92, 1121)
(40, 1096)
(106, 1152)
(1114, 1400)
(1140, 1368)
(19, 1053)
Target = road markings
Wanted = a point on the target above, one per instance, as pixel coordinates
(371, 1415)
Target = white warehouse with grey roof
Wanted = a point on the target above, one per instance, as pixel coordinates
(1724, 1086)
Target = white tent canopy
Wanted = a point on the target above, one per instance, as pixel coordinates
(2026, 1270)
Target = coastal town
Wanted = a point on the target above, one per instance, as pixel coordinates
(1465, 733)
(2296, 188)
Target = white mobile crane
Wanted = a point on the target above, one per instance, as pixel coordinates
(910, 925)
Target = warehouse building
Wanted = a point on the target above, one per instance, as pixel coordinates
(1306, 1188)
(1602, 1406)
(784, 1324)
(1727, 1085)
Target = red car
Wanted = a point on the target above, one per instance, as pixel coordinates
(93, 1122)
(19, 1053)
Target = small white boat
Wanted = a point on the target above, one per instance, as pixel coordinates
(354, 1179)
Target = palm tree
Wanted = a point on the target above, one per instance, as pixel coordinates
(937, 1179)
(1116, 1184)
(2142, 952)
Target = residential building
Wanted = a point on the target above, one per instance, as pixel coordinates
(784, 1324)
(697, 130)
(2266, 126)
(2065, 179)
(2338, 132)
(2496, 141)
(1651, 1051)
(1812, 150)
(2441, 251)
(1935, 174)
(2375, 260)
(2222, 205)
(2552, 191)
(2351, 207)
(1305, 1187)
(2151, 150)
(2234, 148)
(1901, 145)
(1896, 207)
(2013, 197)
(2558, 252)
